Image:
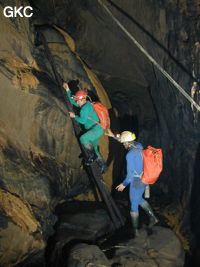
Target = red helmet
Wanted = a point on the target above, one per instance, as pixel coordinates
(80, 95)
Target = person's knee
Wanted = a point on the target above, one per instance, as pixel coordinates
(134, 207)
(142, 201)
(84, 140)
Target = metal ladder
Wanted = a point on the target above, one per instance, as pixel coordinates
(93, 170)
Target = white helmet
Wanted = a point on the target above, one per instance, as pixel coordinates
(126, 136)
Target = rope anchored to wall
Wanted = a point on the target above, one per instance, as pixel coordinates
(181, 90)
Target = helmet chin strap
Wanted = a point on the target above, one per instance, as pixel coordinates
(128, 145)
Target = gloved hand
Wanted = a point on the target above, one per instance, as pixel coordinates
(66, 87)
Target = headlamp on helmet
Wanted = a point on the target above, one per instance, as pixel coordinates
(80, 95)
(126, 136)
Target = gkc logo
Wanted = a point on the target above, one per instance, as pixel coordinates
(13, 12)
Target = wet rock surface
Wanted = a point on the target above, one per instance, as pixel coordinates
(20, 233)
(83, 220)
(80, 226)
(161, 248)
(87, 255)
(87, 238)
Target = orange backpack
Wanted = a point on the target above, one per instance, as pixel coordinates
(102, 113)
(153, 165)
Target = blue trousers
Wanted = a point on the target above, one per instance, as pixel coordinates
(136, 196)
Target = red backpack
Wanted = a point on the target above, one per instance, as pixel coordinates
(102, 113)
(153, 165)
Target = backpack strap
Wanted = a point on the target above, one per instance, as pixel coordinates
(135, 173)
(92, 112)
(91, 118)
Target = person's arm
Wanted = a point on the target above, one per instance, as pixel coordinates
(111, 134)
(130, 169)
(129, 175)
(68, 93)
(83, 116)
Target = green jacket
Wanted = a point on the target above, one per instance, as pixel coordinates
(87, 110)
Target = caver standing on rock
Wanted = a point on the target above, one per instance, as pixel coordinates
(90, 139)
(134, 161)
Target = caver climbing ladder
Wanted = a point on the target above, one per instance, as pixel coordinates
(93, 170)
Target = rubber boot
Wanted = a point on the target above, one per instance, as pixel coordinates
(152, 218)
(102, 165)
(135, 222)
(91, 154)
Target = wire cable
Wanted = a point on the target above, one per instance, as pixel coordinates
(181, 90)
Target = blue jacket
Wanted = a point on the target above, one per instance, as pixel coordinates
(134, 161)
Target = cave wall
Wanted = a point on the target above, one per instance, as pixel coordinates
(39, 154)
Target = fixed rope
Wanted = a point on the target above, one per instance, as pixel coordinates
(181, 90)
(92, 170)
